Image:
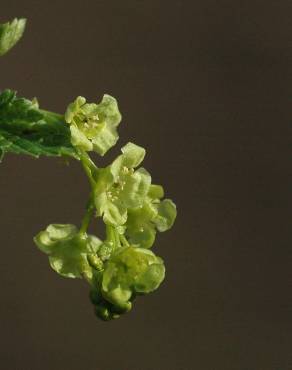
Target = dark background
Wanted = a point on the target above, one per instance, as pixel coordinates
(206, 87)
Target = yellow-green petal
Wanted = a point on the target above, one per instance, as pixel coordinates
(108, 110)
(68, 251)
(139, 228)
(95, 124)
(166, 215)
(105, 137)
(114, 214)
(143, 236)
(135, 188)
(46, 240)
(132, 155)
(73, 108)
(128, 271)
(79, 140)
(151, 278)
(156, 192)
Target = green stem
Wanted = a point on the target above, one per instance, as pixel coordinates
(112, 236)
(85, 158)
(88, 174)
(89, 168)
(117, 239)
(87, 217)
(124, 241)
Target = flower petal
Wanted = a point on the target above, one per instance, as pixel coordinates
(166, 215)
(139, 228)
(79, 140)
(132, 155)
(94, 125)
(156, 192)
(46, 240)
(129, 271)
(144, 236)
(151, 279)
(73, 108)
(106, 137)
(108, 110)
(114, 214)
(135, 188)
(69, 259)
(68, 251)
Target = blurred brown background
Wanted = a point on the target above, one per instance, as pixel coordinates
(206, 87)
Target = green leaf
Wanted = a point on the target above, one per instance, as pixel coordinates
(26, 129)
(10, 34)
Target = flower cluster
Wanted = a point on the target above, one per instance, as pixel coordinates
(121, 267)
